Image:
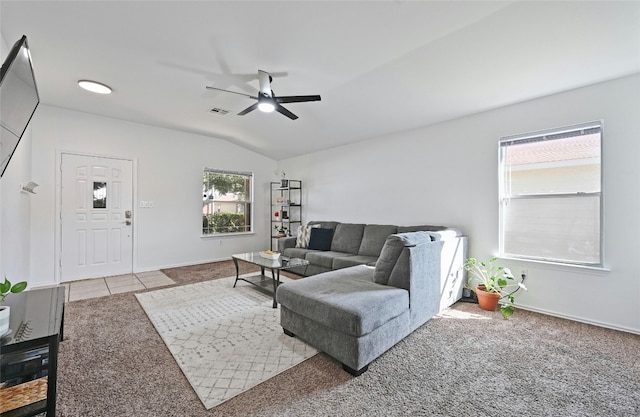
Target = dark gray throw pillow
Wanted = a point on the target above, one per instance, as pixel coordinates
(320, 239)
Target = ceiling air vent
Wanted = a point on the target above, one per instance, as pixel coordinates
(221, 112)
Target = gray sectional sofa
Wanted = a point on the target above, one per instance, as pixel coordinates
(356, 313)
(352, 244)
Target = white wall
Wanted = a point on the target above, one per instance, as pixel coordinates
(447, 174)
(15, 206)
(168, 167)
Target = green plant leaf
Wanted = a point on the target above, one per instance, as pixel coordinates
(502, 282)
(19, 287)
(5, 286)
(507, 311)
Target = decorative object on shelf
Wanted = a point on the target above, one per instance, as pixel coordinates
(280, 230)
(284, 183)
(493, 283)
(270, 254)
(7, 288)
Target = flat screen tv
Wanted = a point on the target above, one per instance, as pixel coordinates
(18, 99)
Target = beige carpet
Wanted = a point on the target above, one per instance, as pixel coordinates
(466, 362)
(226, 340)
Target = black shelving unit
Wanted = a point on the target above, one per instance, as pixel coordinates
(286, 209)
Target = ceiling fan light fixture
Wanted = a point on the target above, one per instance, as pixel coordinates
(266, 106)
(95, 87)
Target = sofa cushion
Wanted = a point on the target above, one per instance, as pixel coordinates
(347, 238)
(352, 260)
(296, 252)
(304, 234)
(374, 237)
(320, 239)
(387, 259)
(346, 300)
(392, 250)
(323, 258)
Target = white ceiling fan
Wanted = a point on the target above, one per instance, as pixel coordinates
(267, 101)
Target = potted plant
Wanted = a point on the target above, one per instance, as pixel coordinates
(5, 289)
(284, 183)
(281, 231)
(493, 283)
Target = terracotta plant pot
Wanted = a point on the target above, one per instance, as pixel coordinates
(487, 300)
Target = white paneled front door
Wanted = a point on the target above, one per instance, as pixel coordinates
(96, 213)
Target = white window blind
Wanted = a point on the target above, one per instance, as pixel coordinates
(551, 196)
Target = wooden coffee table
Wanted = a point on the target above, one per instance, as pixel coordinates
(268, 284)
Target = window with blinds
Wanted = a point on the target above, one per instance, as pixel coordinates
(551, 195)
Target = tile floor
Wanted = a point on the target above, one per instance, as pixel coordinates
(100, 287)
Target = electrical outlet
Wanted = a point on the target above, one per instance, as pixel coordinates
(524, 273)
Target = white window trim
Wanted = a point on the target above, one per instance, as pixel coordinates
(251, 202)
(536, 136)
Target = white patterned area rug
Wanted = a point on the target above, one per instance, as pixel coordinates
(226, 340)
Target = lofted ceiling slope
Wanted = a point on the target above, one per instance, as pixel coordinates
(380, 66)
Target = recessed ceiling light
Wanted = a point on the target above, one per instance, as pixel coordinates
(95, 87)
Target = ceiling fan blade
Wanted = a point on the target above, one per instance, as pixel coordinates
(248, 109)
(284, 111)
(296, 99)
(265, 82)
(229, 91)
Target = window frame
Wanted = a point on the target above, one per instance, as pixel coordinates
(250, 202)
(503, 198)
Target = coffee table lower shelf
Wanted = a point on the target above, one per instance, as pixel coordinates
(264, 283)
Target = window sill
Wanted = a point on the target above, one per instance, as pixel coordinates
(597, 270)
(219, 235)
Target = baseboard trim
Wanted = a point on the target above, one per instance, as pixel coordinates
(157, 268)
(579, 319)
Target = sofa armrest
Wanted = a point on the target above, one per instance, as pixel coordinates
(446, 234)
(286, 242)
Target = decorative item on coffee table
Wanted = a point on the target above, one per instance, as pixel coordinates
(493, 283)
(270, 254)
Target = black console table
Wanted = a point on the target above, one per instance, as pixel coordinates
(29, 353)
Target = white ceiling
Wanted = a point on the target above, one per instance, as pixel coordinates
(380, 67)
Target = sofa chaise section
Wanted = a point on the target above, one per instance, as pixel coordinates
(343, 252)
(355, 314)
